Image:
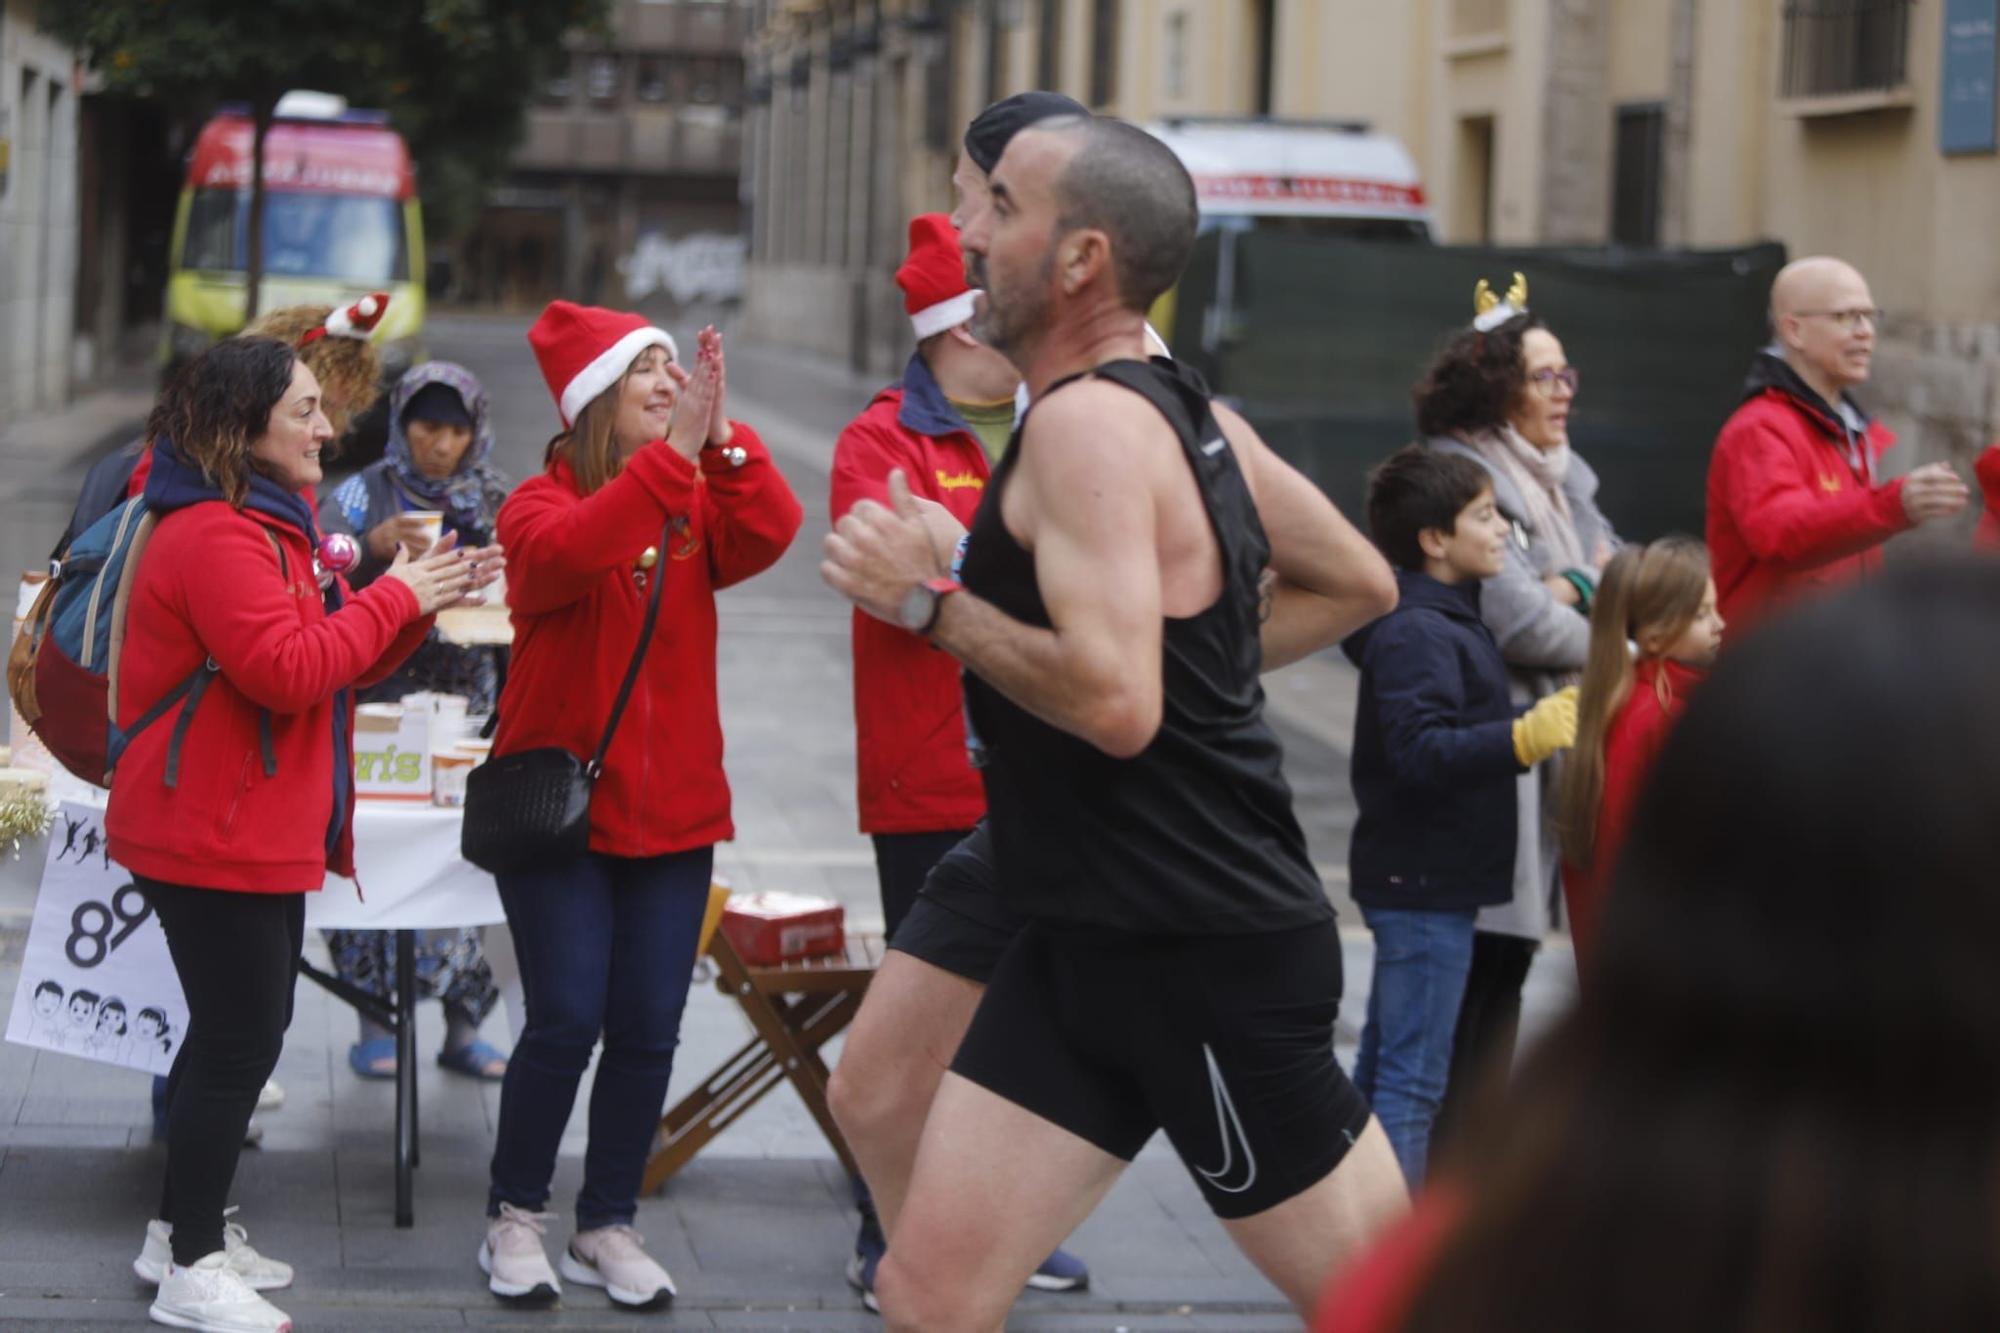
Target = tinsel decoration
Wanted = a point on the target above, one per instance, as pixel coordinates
(27, 815)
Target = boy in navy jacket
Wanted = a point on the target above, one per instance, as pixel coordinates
(1437, 747)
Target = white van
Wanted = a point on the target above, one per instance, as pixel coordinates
(1312, 178)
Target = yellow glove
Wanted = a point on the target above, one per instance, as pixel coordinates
(1547, 727)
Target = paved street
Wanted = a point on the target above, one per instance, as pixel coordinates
(757, 1228)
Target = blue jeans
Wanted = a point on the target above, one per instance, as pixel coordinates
(1421, 962)
(607, 947)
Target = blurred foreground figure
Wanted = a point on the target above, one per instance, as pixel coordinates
(1781, 1108)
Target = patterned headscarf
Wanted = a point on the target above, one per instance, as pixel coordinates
(468, 498)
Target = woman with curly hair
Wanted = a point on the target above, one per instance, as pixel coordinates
(1500, 392)
(350, 380)
(227, 819)
(436, 461)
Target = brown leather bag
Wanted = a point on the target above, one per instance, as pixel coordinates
(21, 656)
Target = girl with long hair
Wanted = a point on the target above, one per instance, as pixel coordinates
(1654, 633)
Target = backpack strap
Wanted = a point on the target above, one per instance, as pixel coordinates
(191, 689)
(122, 592)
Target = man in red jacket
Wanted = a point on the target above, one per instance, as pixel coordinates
(942, 425)
(1794, 496)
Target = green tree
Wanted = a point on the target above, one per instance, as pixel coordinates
(455, 75)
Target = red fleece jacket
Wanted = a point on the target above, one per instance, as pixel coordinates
(577, 611)
(1987, 468)
(1787, 511)
(208, 586)
(1631, 743)
(909, 720)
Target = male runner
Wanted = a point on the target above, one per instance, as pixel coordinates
(1180, 968)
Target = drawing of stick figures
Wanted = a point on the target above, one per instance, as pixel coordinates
(72, 828)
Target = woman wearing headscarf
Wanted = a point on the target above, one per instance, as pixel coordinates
(1500, 392)
(436, 461)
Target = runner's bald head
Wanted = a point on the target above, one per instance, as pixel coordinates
(1123, 182)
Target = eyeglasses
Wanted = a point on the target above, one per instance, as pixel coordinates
(1850, 320)
(1545, 381)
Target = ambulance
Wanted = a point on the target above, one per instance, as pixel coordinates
(1330, 179)
(341, 220)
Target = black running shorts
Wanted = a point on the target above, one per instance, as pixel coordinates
(959, 922)
(1225, 1042)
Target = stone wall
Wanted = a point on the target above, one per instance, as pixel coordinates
(38, 216)
(1938, 387)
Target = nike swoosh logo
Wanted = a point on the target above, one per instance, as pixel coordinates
(1231, 1128)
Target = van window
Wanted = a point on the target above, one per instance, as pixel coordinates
(353, 238)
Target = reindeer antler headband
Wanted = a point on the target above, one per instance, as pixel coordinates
(1489, 312)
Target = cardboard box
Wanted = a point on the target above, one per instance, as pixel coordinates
(772, 928)
(392, 753)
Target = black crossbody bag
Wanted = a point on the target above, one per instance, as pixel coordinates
(532, 808)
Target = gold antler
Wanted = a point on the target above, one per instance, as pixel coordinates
(1483, 298)
(1517, 295)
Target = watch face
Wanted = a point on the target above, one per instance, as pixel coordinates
(915, 610)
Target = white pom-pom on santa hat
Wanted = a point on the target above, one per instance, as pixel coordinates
(584, 350)
(352, 321)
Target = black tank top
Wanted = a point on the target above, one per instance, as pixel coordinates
(1194, 835)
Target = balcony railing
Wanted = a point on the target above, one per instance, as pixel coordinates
(1839, 47)
(697, 141)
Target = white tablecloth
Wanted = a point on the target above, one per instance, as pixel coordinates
(406, 859)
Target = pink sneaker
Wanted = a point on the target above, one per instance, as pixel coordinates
(613, 1258)
(511, 1256)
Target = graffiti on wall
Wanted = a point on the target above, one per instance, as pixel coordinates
(700, 267)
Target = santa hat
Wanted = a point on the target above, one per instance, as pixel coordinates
(933, 277)
(350, 321)
(584, 349)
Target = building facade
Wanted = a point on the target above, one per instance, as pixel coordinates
(1850, 127)
(624, 190)
(38, 213)
(1858, 128)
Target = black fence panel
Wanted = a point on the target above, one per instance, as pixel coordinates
(1320, 342)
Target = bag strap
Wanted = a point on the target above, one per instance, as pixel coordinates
(139, 536)
(192, 688)
(638, 655)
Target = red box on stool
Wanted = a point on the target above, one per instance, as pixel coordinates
(767, 929)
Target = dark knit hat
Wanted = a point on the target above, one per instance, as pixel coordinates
(987, 136)
(438, 404)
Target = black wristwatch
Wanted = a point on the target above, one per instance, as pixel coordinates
(919, 610)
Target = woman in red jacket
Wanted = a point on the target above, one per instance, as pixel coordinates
(1659, 600)
(648, 480)
(235, 806)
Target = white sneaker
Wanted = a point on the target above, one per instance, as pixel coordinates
(271, 1096)
(613, 1258)
(257, 1271)
(511, 1256)
(210, 1297)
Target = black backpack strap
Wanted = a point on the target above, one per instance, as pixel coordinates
(190, 689)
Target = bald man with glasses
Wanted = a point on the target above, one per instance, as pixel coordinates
(1795, 495)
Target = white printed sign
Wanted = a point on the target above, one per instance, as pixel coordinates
(96, 980)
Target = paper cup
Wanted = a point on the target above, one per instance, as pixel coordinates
(448, 772)
(433, 525)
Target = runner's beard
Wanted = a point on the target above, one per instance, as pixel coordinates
(1006, 317)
